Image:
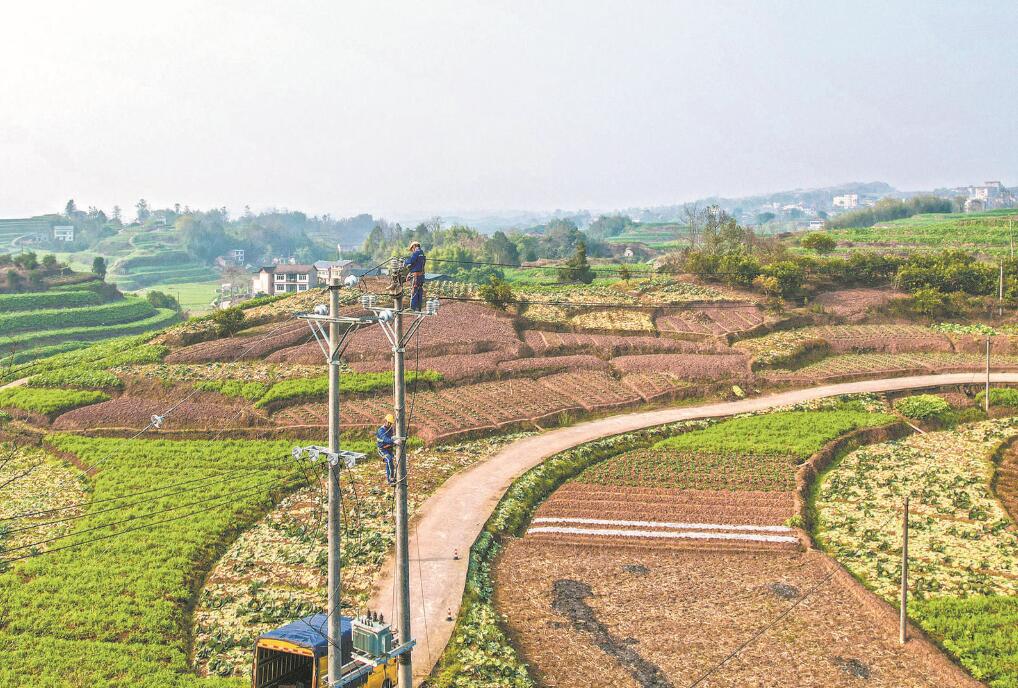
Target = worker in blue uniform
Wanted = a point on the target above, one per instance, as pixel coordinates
(385, 442)
(415, 269)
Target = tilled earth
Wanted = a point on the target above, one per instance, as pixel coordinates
(572, 612)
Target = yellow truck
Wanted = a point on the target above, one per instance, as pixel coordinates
(296, 655)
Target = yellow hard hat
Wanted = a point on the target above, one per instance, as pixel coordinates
(389, 418)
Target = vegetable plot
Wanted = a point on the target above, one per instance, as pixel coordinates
(963, 546)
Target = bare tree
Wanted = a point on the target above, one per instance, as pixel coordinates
(693, 216)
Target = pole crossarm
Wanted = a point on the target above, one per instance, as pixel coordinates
(386, 317)
(362, 666)
(317, 323)
(315, 452)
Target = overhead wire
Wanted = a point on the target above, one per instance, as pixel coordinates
(788, 610)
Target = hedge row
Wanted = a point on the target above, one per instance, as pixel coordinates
(48, 299)
(117, 312)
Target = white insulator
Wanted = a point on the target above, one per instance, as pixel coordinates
(386, 315)
(395, 264)
(157, 421)
(321, 309)
(313, 454)
(352, 280)
(297, 452)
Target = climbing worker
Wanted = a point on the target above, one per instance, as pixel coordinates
(386, 442)
(415, 267)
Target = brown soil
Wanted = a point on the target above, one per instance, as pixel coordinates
(854, 304)
(661, 504)
(639, 617)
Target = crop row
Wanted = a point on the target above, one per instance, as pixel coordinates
(115, 611)
(48, 299)
(29, 340)
(695, 470)
(716, 320)
(850, 365)
(76, 377)
(127, 310)
(311, 389)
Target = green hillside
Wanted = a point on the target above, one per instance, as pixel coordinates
(12, 229)
(986, 232)
(657, 235)
(148, 257)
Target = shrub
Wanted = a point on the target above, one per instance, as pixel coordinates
(498, 293)
(923, 407)
(160, 299)
(228, 321)
(819, 242)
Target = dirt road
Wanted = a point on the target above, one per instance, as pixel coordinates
(449, 522)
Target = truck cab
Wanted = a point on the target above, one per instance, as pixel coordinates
(296, 655)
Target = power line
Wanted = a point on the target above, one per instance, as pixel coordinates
(566, 268)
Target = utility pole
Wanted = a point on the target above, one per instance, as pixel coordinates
(987, 399)
(334, 611)
(406, 674)
(903, 621)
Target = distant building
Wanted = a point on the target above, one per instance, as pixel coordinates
(63, 232)
(236, 255)
(284, 278)
(816, 224)
(989, 196)
(341, 268)
(846, 201)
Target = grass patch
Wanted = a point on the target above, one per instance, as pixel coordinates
(48, 402)
(315, 388)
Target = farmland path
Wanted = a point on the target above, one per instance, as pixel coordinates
(452, 518)
(15, 383)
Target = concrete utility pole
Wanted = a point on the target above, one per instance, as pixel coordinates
(406, 674)
(903, 622)
(334, 611)
(987, 399)
(1000, 295)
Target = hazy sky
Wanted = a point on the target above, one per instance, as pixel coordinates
(344, 107)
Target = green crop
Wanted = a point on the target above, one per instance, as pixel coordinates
(315, 388)
(798, 433)
(76, 377)
(127, 310)
(999, 397)
(48, 299)
(48, 402)
(102, 355)
(922, 406)
(27, 340)
(114, 612)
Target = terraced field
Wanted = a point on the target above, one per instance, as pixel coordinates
(986, 232)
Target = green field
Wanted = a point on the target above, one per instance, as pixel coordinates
(195, 297)
(657, 235)
(987, 232)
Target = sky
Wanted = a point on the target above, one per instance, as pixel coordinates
(403, 107)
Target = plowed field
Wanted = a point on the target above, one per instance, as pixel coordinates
(574, 617)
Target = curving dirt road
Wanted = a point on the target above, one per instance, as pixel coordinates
(449, 522)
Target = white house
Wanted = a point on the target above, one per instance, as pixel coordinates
(846, 201)
(63, 232)
(284, 278)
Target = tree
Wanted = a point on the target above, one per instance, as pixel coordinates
(143, 213)
(764, 218)
(27, 260)
(117, 213)
(498, 293)
(693, 218)
(70, 208)
(577, 268)
(624, 274)
(36, 281)
(99, 267)
(228, 321)
(498, 249)
(49, 262)
(14, 280)
(819, 242)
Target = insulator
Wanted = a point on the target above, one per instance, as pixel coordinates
(297, 452)
(367, 300)
(321, 309)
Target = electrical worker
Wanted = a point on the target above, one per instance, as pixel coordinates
(415, 267)
(385, 443)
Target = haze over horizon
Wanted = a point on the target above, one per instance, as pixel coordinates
(369, 107)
